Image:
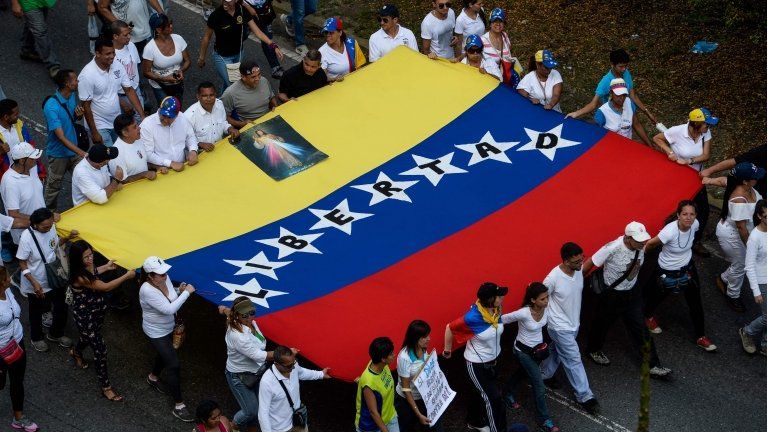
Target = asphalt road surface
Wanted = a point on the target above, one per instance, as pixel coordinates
(724, 391)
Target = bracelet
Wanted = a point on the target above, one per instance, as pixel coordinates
(273, 45)
(691, 162)
(25, 272)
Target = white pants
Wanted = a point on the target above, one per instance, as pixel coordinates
(735, 251)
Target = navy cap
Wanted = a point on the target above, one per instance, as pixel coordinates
(390, 11)
(748, 171)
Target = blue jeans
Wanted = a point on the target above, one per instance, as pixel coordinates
(757, 327)
(392, 426)
(109, 136)
(220, 66)
(124, 98)
(565, 350)
(299, 10)
(35, 37)
(269, 53)
(248, 399)
(528, 366)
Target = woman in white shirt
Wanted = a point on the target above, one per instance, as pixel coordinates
(476, 58)
(531, 319)
(497, 47)
(340, 54)
(756, 273)
(734, 228)
(674, 271)
(159, 305)
(471, 20)
(408, 403)
(37, 246)
(12, 340)
(165, 59)
(543, 84)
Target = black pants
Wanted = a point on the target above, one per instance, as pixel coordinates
(628, 305)
(406, 418)
(15, 374)
(655, 294)
(702, 212)
(485, 406)
(167, 360)
(54, 301)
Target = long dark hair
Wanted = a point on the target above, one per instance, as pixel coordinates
(532, 63)
(731, 185)
(684, 203)
(759, 208)
(532, 292)
(77, 268)
(417, 329)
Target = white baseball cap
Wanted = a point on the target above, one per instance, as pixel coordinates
(25, 150)
(154, 264)
(619, 87)
(637, 231)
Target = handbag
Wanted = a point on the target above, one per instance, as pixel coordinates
(252, 380)
(11, 352)
(179, 330)
(597, 279)
(538, 353)
(300, 414)
(55, 274)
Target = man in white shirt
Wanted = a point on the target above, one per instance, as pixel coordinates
(390, 35)
(169, 138)
(135, 13)
(208, 118)
(566, 283)
(91, 180)
(127, 55)
(98, 85)
(131, 157)
(438, 40)
(279, 392)
(620, 261)
(21, 192)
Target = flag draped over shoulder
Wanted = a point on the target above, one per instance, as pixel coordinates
(436, 179)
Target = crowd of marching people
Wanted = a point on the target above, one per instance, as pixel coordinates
(101, 130)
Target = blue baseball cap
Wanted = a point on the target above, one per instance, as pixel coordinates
(471, 41)
(497, 14)
(332, 24)
(169, 107)
(546, 58)
(748, 171)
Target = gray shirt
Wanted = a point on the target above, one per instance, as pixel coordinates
(250, 103)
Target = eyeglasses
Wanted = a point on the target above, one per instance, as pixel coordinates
(289, 367)
(383, 20)
(444, 5)
(474, 50)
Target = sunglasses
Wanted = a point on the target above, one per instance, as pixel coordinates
(383, 20)
(289, 367)
(248, 315)
(444, 5)
(474, 50)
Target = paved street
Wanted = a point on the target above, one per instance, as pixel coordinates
(708, 392)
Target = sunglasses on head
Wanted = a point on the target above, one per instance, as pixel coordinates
(249, 314)
(444, 5)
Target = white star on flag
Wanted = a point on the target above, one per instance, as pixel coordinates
(434, 169)
(258, 264)
(488, 140)
(339, 217)
(250, 289)
(289, 243)
(547, 142)
(385, 188)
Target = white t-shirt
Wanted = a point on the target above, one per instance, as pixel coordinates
(88, 183)
(380, 43)
(676, 252)
(334, 63)
(684, 146)
(541, 91)
(615, 258)
(490, 66)
(439, 33)
(27, 251)
(134, 12)
(101, 88)
(165, 65)
(528, 329)
(157, 310)
(10, 136)
(132, 158)
(128, 56)
(209, 127)
(6, 222)
(755, 261)
(246, 352)
(408, 365)
(23, 193)
(466, 26)
(564, 299)
(10, 324)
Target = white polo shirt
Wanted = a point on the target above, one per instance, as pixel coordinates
(132, 158)
(564, 299)
(211, 126)
(684, 146)
(544, 92)
(88, 183)
(381, 43)
(27, 251)
(439, 32)
(129, 57)
(275, 413)
(23, 193)
(166, 144)
(101, 87)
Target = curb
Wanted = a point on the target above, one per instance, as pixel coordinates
(318, 22)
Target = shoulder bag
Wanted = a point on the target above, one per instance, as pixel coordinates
(233, 69)
(300, 415)
(55, 274)
(83, 142)
(597, 280)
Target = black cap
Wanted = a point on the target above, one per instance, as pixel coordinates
(390, 11)
(247, 66)
(100, 153)
(490, 289)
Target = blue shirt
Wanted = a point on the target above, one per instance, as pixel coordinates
(604, 86)
(57, 118)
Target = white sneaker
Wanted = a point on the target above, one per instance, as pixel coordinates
(479, 429)
(287, 25)
(63, 341)
(47, 319)
(302, 50)
(40, 345)
(659, 372)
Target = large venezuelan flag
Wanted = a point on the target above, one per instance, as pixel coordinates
(437, 180)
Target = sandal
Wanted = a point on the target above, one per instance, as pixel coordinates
(80, 363)
(111, 394)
